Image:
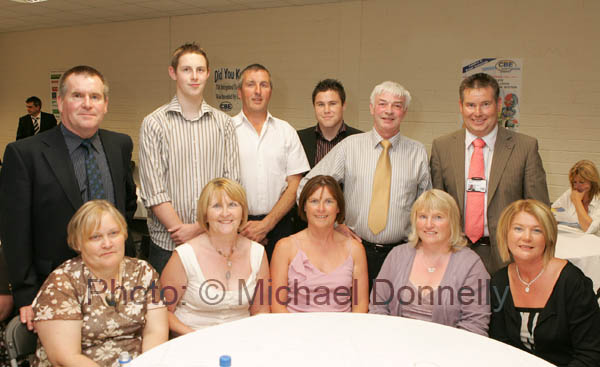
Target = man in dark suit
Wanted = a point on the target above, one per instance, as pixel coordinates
(329, 101)
(511, 167)
(44, 181)
(35, 121)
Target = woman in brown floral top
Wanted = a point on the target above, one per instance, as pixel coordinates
(101, 303)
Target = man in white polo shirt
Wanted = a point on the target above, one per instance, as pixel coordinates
(272, 160)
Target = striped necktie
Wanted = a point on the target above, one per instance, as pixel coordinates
(36, 125)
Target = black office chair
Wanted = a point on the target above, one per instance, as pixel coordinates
(20, 342)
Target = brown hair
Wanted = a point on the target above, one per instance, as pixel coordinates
(80, 69)
(187, 48)
(479, 80)
(586, 170)
(335, 190)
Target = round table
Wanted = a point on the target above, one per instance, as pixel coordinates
(335, 339)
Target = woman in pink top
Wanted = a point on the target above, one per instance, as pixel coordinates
(319, 269)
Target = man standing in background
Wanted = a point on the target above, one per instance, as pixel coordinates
(35, 121)
(271, 158)
(183, 145)
(329, 102)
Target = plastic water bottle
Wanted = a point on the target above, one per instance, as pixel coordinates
(225, 361)
(124, 359)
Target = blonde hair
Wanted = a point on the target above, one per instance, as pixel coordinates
(587, 171)
(439, 200)
(87, 219)
(541, 213)
(234, 190)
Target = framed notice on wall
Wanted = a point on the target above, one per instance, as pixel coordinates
(508, 72)
(54, 78)
(226, 82)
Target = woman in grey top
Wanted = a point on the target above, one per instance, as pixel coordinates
(434, 277)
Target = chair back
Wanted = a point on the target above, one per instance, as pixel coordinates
(20, 342)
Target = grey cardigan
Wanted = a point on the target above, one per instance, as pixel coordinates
(462, 297)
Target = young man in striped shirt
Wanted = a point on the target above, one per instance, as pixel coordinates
(183, 145)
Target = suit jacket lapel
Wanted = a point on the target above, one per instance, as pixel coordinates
(502, 150)
(57, 156)
(458, 162)
(114, 158)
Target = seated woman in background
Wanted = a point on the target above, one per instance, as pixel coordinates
(434, 277)
(206, 272)
(542, 304)
(323, 269)
(580, 205)
(95, 306)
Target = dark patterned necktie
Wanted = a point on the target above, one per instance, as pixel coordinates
(95, 186)
(36, 125)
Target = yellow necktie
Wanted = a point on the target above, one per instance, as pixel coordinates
(380, 201)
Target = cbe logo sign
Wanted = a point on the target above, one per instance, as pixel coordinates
(505, 66)
(226, 106)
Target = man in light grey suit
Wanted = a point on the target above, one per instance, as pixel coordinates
(512, 167)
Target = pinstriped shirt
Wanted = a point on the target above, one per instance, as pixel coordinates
(178, 157)
(353, 162)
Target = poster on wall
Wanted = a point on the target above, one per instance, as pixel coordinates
(508, 72)
(54, 78)
(226, 80)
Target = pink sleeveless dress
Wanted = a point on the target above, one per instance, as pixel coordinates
(311, 290)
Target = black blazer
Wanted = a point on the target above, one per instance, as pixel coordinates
(308, 138)
(47, 122)
(39, 194)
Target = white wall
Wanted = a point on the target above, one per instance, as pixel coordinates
(419, 43)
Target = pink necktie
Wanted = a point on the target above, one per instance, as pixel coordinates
(475, 200)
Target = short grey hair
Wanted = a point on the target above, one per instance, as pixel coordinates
(393, 88)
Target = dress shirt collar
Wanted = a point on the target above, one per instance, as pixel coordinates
(36, 116)
(376, 138)
(73, 141)
(175, 106)
(340, 131)
(490, 139)
(244, 119)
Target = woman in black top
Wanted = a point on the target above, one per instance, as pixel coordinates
(542, 304)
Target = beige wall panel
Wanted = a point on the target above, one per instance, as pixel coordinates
(419, 43)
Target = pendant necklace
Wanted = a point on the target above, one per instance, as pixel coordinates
(527, 285)
(227, 259)
(430, 269)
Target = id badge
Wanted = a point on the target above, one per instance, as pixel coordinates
(476, 184)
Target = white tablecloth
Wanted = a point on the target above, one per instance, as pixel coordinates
(583, 250)
(335, 339)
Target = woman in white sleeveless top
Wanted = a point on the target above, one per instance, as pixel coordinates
(211, 279)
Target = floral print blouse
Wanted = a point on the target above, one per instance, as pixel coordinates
(113, 317)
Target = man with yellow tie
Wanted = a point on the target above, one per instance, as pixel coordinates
(383, 173)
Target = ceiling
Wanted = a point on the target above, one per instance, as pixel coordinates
(18, 16)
